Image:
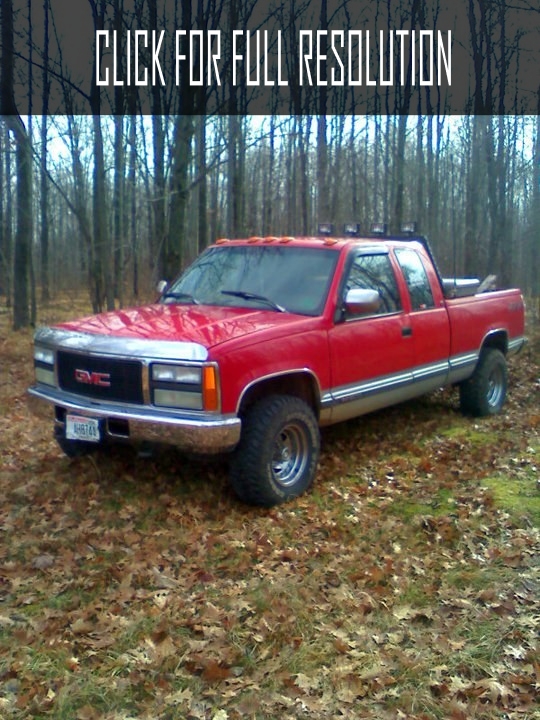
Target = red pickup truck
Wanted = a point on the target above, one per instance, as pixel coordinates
(262, 341)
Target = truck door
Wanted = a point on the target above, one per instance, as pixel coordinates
(371, 355)
(428, 320)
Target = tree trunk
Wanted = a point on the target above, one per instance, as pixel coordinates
(102, 290)
(473, 264)
(235, 177)
(268, 181)
(178, 253)
(118, 205)
(323, 204)
(534, 234)
(305, 132)
(119, 163)
(44, 186)
(4, 153)
(202, 217)
(8, 234)
(132, 178)
(23, 237)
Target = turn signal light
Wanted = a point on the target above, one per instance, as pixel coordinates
(210, 388)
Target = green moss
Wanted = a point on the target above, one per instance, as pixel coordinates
(440, 504)
(414, 594)
(468, 433)
(519, 497)
(473, 578)
(409, 510)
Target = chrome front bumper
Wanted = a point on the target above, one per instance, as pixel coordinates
(201, 433)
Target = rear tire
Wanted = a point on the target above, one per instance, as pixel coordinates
(484, 392)
(278, 452)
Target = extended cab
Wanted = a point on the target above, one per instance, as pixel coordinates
(262, 341)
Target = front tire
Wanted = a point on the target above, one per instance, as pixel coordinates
(278, 452)
(484, 392)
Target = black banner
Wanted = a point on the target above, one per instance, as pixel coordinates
(258, 57)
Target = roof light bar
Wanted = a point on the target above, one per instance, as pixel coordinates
(379, 228)
(326, 228)
(408, 228)
(352, 229)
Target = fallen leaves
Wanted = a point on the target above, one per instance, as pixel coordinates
(138, 588)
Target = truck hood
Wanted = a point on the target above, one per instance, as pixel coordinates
(204, 325)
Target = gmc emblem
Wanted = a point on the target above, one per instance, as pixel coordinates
(93, 378)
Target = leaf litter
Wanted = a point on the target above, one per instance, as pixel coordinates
(400, 587)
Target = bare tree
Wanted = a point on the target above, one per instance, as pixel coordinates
(44, 181)
(23, 239)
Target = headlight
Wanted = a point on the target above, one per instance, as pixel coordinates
(176, 374)
(43, 355)
(44, 365)
(186, 386)
(178, 399)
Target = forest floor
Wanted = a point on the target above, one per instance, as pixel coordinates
(404, 585)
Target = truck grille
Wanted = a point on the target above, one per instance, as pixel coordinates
(101, 378)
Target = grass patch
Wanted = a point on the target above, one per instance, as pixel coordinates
(440, 504)
(519, 497)
(470, 434)
(474, 578)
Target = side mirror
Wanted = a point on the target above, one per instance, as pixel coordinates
(162, 286)
(359, 301)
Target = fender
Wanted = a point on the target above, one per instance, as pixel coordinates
(498, 338)
(304, 372)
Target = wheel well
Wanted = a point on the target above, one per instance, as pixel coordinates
(497, 340)
(299, 384)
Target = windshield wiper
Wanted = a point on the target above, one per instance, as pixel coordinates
(180, 296)
(254, 296)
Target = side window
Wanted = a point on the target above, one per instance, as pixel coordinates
(416, 279)
(375, 272)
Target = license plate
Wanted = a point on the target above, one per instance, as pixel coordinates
(79, 427)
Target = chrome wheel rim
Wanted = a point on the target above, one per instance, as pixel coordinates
(290, 455)
(495, 389)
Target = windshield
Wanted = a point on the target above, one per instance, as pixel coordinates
(291, 279)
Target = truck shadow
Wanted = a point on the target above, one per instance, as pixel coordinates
(155, 471)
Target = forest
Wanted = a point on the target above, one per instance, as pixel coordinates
(470, 183)
(134, 584)
(109, 203)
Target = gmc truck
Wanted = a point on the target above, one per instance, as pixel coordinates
(262, 341)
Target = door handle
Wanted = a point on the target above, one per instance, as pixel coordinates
(406, 331)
